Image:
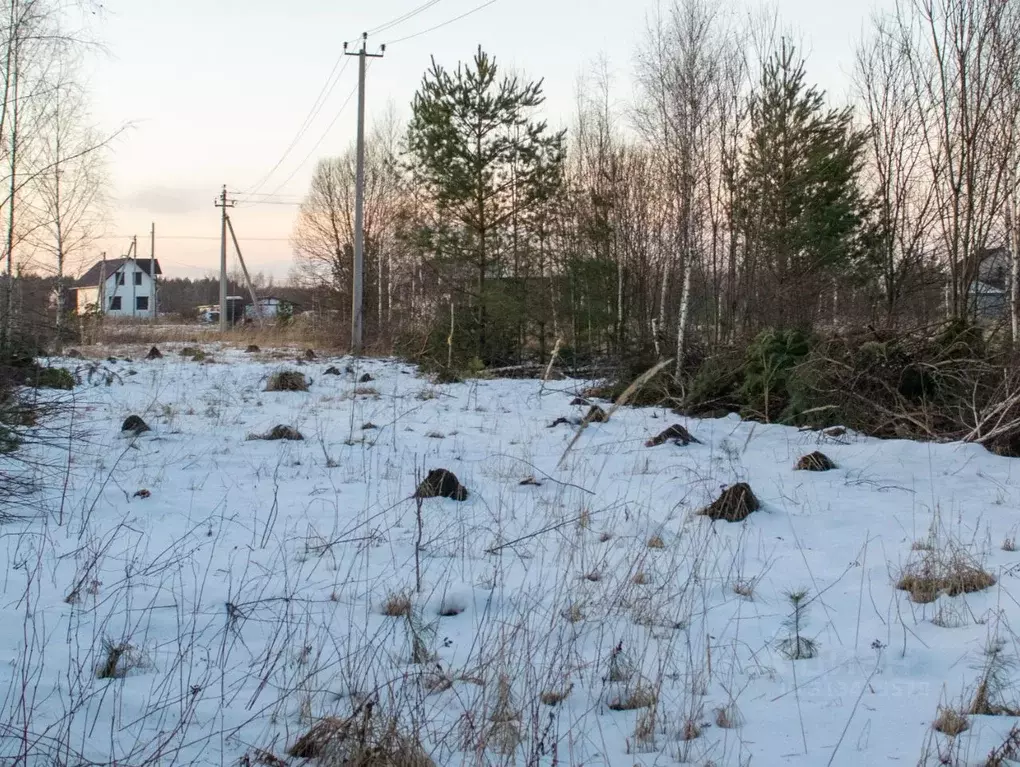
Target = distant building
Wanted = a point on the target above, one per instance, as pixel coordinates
(118, 287)
(269, 307)
(989, 293)
(210, 313)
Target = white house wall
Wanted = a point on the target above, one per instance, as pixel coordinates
(128, 293)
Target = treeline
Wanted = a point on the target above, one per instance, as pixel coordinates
(181, 296)
(729, 197)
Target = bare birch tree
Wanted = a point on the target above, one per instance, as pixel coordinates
(897, 168)
(680, 75)
(68, 197)
(950, 45)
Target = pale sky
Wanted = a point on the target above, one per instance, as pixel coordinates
(217, 89)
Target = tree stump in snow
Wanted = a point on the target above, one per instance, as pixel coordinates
(676, 433)
(134, 424)
(154, 354)
(441, 483)
(734, 505)
(815, 461)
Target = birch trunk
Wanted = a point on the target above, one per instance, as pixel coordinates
(681, 322)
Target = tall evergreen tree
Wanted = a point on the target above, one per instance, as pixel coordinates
(800, 208)
(481, 161)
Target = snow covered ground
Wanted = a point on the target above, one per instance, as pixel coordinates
(245, 597)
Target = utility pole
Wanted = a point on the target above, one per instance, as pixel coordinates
(152, 270)
(358, 288)
(247, 277)
(223, 203)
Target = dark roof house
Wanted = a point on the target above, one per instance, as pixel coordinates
(91, 278)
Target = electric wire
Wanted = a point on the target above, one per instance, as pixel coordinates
(400, 20)
(464, 15)
(321, 139)
(313, 112)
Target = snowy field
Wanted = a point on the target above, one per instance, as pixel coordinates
(588, 618)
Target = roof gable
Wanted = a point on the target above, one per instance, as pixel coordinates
(111, 266)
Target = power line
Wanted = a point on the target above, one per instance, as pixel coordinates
(210, 237)
(313, 112)
(270, 202)
(396, 20)
(321, 139)
(401, 19)
(444, 24)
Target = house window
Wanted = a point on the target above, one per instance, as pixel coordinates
(138, 278)
(142, 303)
(115, 304)
(120, 278)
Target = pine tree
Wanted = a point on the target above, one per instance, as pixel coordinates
(482, 162)
(800, 208)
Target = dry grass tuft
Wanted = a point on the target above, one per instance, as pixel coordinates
(734, 505)
(605, 537)
(362, 740)
(397, 606)
(573, 614)
(594, 576)
(953, 573)
(120, 659)
(287, 380)
(1007, 751)
(744, 587)
(728, 717)
(690, 730)
(366, 391)
(950, 722)
(641, 696)
(641, 578)
(435, 682)
(267, 758)
(1009, 544)
(555, 697)
(982, 704)
(656, 542)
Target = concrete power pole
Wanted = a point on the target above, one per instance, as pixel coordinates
(223, 203)
(152, 270)
(358, 288)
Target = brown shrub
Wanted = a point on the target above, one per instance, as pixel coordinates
(287, 380)
(641, 696)
(362, 740)
(936, 574)
(950, 722)
(555, 697)
(397, 606)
